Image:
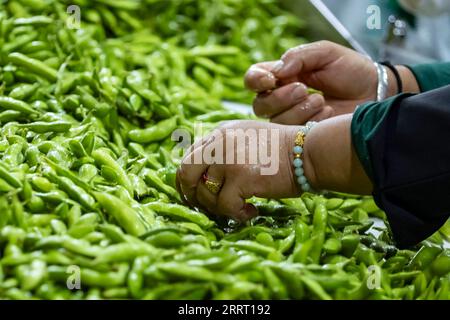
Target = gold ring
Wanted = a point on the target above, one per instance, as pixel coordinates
(212, 186)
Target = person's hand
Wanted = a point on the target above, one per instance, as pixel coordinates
(346, 78)
(258, 177)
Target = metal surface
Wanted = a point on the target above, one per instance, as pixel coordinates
(321, 23)
(401, 37)
(338, 26)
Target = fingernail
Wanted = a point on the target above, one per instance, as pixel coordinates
(299, 92)
(278, 66)
(268, 81)
(315, 100)
(312, 102)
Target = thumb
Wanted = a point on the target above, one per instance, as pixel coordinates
(304, 59)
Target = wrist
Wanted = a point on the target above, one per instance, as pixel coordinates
(307, 168)
(408, 79)
(410, 83)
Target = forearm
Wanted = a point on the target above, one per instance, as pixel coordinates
(330, 159)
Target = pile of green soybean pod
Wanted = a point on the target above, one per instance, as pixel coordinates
(87, 166)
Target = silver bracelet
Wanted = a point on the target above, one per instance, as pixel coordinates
(382, 81)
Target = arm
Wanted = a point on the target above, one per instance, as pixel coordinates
(420, 78)
(409, 81)
(331, 162)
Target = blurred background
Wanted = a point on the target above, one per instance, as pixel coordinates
(410, 31)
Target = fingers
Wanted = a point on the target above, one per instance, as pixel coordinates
(205, 197)
(228, 202)
(305, 58)
(259, 78)
(279, 100)
(189, 175)
(301, 112)
(325, 113)
(231, 203)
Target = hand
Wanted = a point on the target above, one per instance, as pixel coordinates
(346, 78)
(240, 181)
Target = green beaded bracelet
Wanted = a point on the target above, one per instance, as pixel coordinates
(298, 154)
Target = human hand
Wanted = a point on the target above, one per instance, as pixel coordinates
(345, 77)
(240, 180)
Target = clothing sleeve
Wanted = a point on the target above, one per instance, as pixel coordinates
(431, 76)
(403, 145)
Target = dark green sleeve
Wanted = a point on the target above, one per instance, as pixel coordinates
(366, 120)
(431, 76)
(402, 145)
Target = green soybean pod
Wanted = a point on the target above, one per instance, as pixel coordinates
(180, 212)
(9, 115)
(33, 275)
(34, 46)
(87, 172)
(32, 155)
(153, 180)
(23, 91)
(302, 251)
(41, 184)
(113, 232)
(93, 294)
(135, 279)
(125, 252)
(319, 228)
(287, 243)
(36, 205)
(102, 157)
(441, 265)
(126, 217)
(104, 279)
(275, 285)
(44, 127)
(334, 203)
(35, 66)
(58, 226)
(18, 213)
(83, 226)
(183, 271)
(74, 191)
(444, 291)
(9, 103)
(109, 174)
(424, 257)
(315, 288)
(349, 244)
(73, 215)
(332, 246)
(5, 187)
(165, 239)
(302, 232)
(33, 21)
(156, 132)
(265, 238)
(116, 293)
